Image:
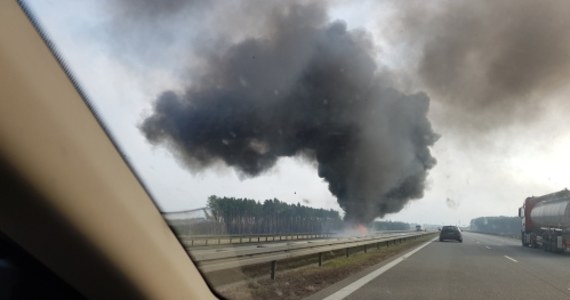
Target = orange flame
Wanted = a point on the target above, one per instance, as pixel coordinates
(361, 229)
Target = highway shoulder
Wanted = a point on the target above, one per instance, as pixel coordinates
(331, 290)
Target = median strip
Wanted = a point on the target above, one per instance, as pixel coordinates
(301, 277)
(217, 261)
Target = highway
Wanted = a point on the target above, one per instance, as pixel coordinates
(482, 267)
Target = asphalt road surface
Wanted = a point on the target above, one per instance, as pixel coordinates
(482, 267)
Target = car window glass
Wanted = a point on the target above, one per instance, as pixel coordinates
(278, 136)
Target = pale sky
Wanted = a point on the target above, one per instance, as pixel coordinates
(479, 175)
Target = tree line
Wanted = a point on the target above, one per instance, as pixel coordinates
(497, 225)
(389, 225)
(229, 215)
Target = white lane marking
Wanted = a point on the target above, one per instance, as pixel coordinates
(351, 288)
(510, 258)
(488, 247)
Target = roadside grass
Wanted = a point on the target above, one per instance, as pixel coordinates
(301, 278)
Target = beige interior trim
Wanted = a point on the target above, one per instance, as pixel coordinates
(49, 135)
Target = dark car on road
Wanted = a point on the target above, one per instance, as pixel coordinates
(450, 233)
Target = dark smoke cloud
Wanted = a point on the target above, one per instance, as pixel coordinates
(489, 62)
(173, 34)
(133, 10)
(308, 88)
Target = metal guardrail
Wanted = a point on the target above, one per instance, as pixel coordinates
(217, 261)
(206, 240)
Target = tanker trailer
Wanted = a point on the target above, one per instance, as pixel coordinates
(546, 222)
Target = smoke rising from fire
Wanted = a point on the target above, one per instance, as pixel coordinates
(490, 63)
(304, 87)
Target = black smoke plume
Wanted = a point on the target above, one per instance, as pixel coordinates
(307, 87)
(490, 63)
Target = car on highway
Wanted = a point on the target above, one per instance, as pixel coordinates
(450, 233)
